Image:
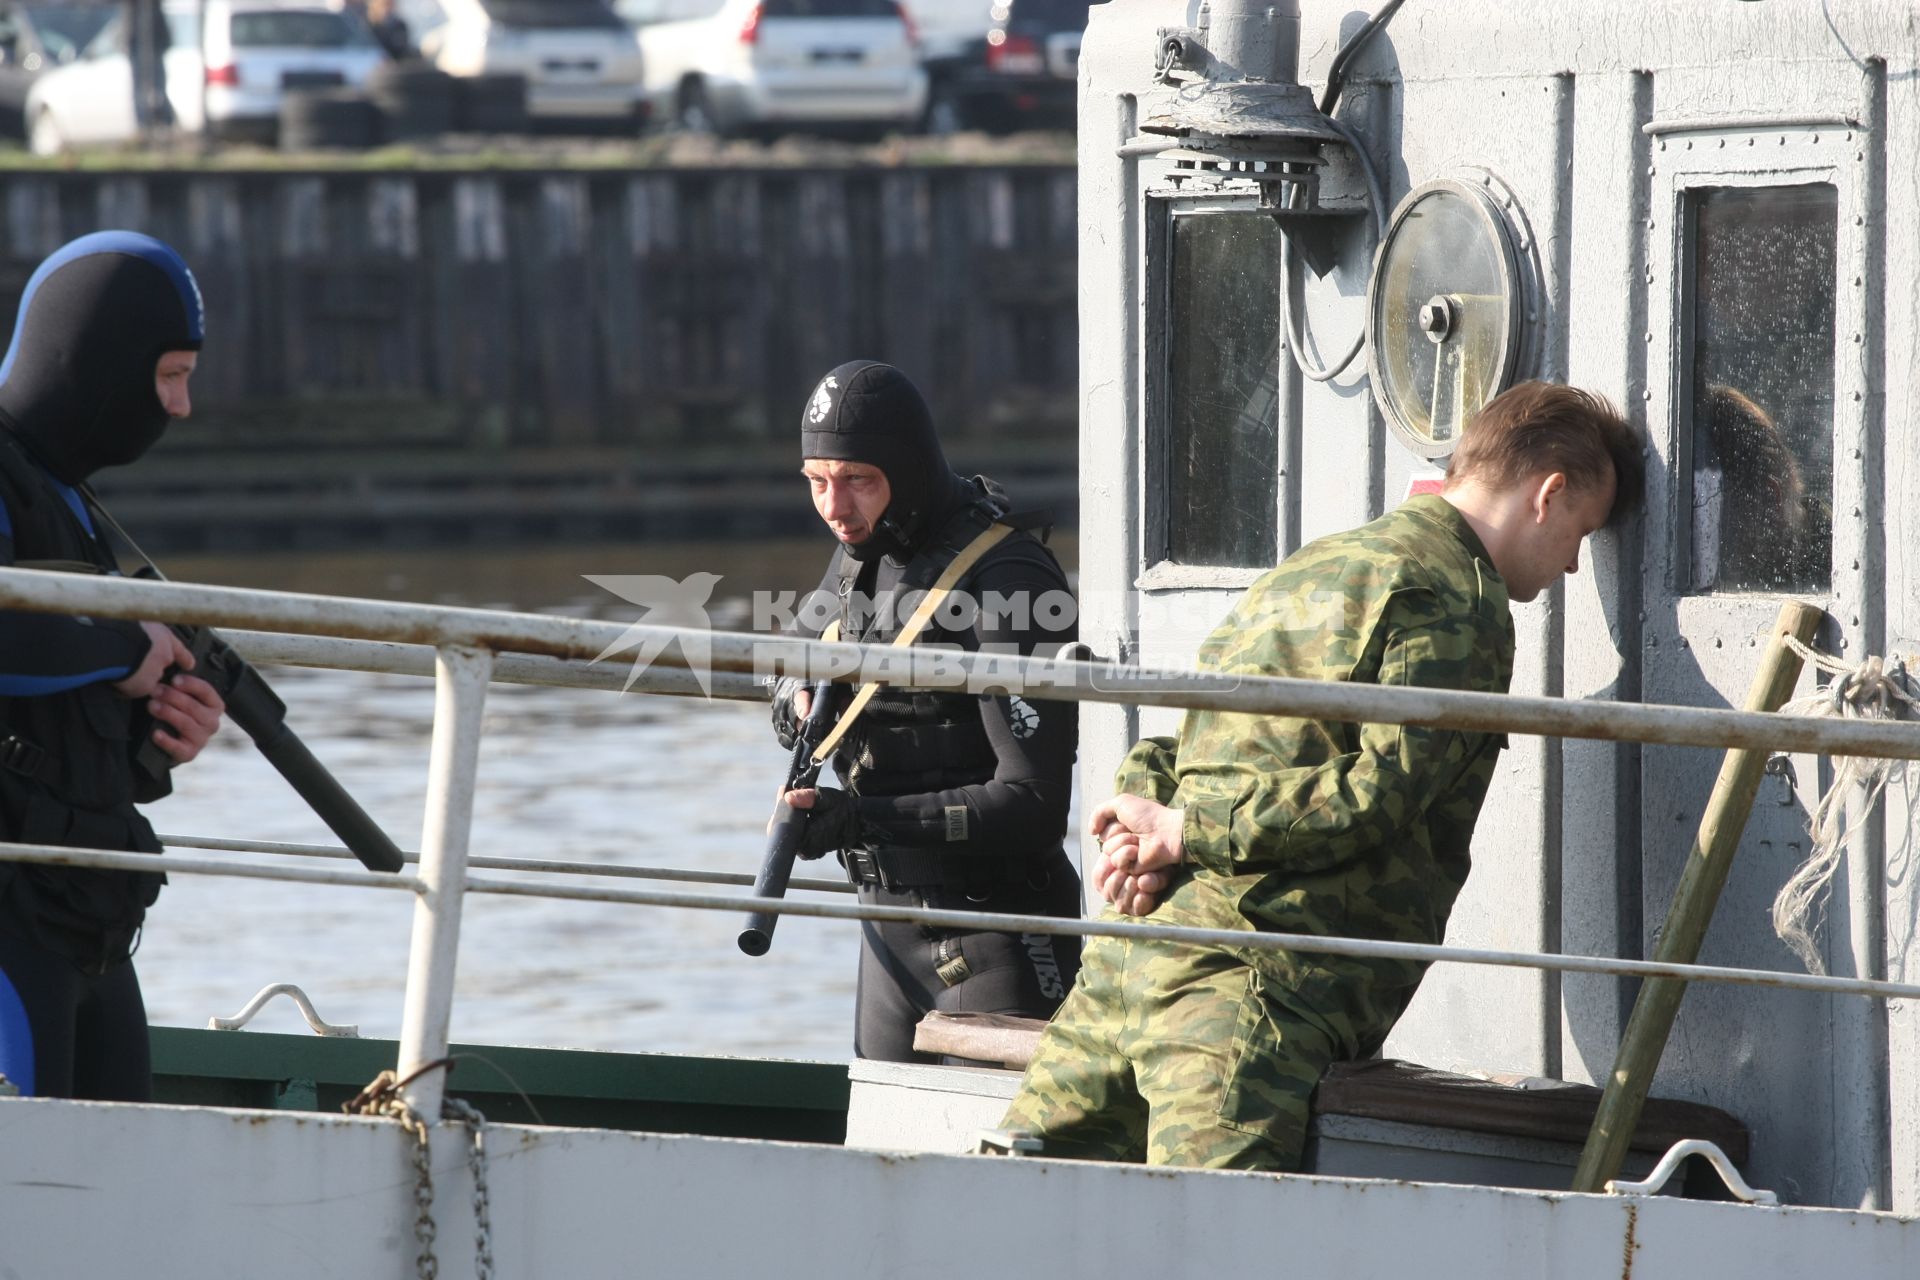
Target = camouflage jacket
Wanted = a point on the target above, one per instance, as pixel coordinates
(1305, 826)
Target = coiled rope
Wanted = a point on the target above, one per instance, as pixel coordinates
(1875, 689)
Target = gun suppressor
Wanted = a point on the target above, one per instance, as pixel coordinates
(775, 871)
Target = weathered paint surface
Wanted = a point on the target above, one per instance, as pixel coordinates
(1581, 842)
(96, 1189)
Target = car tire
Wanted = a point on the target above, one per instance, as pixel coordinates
(491, 103)
(693, 111)
(416, 100)
(43, 135)
(323, 119)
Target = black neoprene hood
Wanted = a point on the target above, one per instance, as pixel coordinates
(77, 385)
(865, 411)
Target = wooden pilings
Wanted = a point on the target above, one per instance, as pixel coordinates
(575, 308)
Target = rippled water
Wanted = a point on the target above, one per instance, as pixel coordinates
(576, 774)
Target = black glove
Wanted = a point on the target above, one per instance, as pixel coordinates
(833, 823)
(786, 725)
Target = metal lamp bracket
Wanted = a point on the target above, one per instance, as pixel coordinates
(1180, 50)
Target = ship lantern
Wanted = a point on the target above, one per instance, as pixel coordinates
(1238, 108)
(1449, 308)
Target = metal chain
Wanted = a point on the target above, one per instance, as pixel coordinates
(469, 1115)
(427, 1265)
(382, 1098)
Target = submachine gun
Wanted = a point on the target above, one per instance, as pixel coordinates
(790, 824)
(255, 707)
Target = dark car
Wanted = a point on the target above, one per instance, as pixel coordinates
(1021, 75)
(36, 38)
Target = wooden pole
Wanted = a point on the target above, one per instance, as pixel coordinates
(1693, 901)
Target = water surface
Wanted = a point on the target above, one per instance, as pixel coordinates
(574, 774)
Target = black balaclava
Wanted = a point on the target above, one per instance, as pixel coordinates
(869, 412)
(77, 386)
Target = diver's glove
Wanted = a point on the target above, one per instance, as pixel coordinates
(833, 823)
(786, 723)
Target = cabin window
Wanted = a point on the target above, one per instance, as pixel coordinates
(1760, 469)
(1222, 389)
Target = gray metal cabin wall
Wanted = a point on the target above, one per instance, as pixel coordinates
(1899, 517)
(674, 309)
(1522, 136)
(1810, 1077)
(1581, 843)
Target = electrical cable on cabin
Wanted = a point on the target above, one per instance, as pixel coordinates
(1296, 327)
(1376, 191)
(1337, 74)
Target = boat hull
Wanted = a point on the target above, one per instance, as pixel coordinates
(108, 1189)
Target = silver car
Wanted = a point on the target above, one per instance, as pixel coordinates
(579, 60)
(227, 77)
(730, 65)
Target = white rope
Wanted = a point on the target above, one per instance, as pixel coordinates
(1875, 689)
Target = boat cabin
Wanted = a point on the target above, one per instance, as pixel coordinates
(1704, 210)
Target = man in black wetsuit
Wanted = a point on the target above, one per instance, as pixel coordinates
(108, 334)
(952, 800)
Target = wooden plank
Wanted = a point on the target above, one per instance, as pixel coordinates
(1693, 902)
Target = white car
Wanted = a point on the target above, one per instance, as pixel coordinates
(727, 65)
(949, 28)
(231, 85)
(580, 61)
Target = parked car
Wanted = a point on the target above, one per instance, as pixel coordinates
(231, 85)
(580, 61)
(725, 66)
(1020, 74)
(35, 39)
(948, 28)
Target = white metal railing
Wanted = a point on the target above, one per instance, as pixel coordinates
(468, 647)
(1367, 948)
(547, 866)
(757, 655)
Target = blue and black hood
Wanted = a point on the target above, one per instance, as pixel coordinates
(77, 385)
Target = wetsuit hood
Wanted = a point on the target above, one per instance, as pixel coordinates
(864, 411)
(77, 385)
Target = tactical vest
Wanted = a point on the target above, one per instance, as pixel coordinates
(910, 742)
(66, 773)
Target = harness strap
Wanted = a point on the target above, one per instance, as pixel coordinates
(922, 616)
(923, 868)
(29, 760)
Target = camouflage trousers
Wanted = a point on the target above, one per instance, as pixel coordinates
(1172, 1054)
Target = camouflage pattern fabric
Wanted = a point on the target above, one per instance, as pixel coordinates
(1302, 826)
(1177, 1053)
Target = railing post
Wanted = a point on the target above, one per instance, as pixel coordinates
(460, 695)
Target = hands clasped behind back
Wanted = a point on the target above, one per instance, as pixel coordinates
(1139, 841)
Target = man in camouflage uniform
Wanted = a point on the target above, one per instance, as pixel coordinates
(1209, 1056)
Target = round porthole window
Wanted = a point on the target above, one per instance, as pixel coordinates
(1445, 313)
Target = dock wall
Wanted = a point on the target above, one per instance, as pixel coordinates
(678, 311)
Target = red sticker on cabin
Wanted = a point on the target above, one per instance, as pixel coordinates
(1429, 482)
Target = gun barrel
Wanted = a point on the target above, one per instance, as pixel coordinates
(789, 824)
(323, 792)
(251, 702)
(257, 709)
